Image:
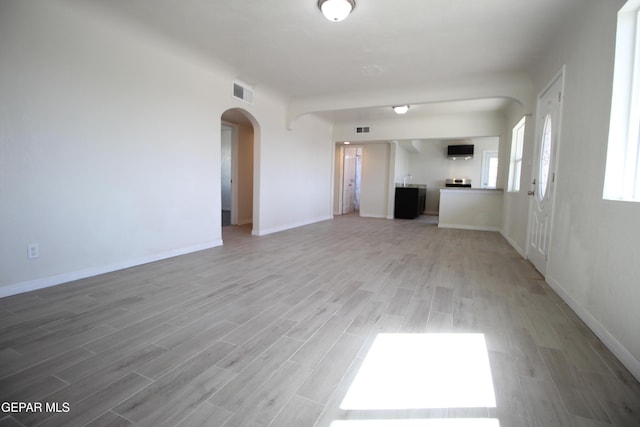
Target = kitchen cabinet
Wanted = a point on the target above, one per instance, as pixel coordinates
(410, 201)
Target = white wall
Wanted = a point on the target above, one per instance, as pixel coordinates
(110, 148)
(402, 165)
(593, 261)
(296, 178)
(374, 191)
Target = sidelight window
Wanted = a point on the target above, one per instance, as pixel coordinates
(545, 156)
(515, 164)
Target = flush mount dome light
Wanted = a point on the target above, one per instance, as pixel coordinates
(400, 109)
(336, 10)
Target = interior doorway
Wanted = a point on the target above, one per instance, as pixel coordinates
(237, 169)
(352, 177)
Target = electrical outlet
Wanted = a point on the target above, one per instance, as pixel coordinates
(33, 250)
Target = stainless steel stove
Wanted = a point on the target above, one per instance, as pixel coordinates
(458, 182)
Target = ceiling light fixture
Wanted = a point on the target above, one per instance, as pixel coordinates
(336, 10)
(400, 109)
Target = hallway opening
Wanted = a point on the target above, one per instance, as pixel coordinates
(237, 144)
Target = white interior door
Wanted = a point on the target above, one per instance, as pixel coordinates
(349, 182)
(544, 173)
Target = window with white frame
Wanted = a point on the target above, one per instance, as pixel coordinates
(622, 177)
(515, 164)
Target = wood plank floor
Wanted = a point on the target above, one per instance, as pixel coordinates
(271, 331)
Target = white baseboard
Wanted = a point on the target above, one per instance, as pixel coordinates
(469, 227)
(514, 244)
(59, 279)
(367, 215)
(611, 342)
(264, 232)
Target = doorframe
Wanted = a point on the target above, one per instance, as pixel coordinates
(357, 179)
(338, 177)
(561, 76)
(234, 170)
(237, 126)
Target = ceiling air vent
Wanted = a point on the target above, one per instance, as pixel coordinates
(362, 129)
(243, 92)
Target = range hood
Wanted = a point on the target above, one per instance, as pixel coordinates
(464, 151)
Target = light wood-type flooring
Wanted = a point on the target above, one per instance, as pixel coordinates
(272, 330)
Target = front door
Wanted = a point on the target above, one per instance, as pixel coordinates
(544, 173)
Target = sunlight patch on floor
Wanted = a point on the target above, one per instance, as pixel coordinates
(412, 371)
(440, 422)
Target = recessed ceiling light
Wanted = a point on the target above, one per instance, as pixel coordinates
(346, 143)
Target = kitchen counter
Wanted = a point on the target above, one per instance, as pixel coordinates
(471, 208)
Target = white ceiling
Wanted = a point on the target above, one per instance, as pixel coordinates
(385, 45)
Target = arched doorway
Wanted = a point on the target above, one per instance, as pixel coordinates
(238, 145)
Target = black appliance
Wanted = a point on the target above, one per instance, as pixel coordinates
(464, 151)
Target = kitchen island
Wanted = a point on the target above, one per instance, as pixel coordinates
(471, 208)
